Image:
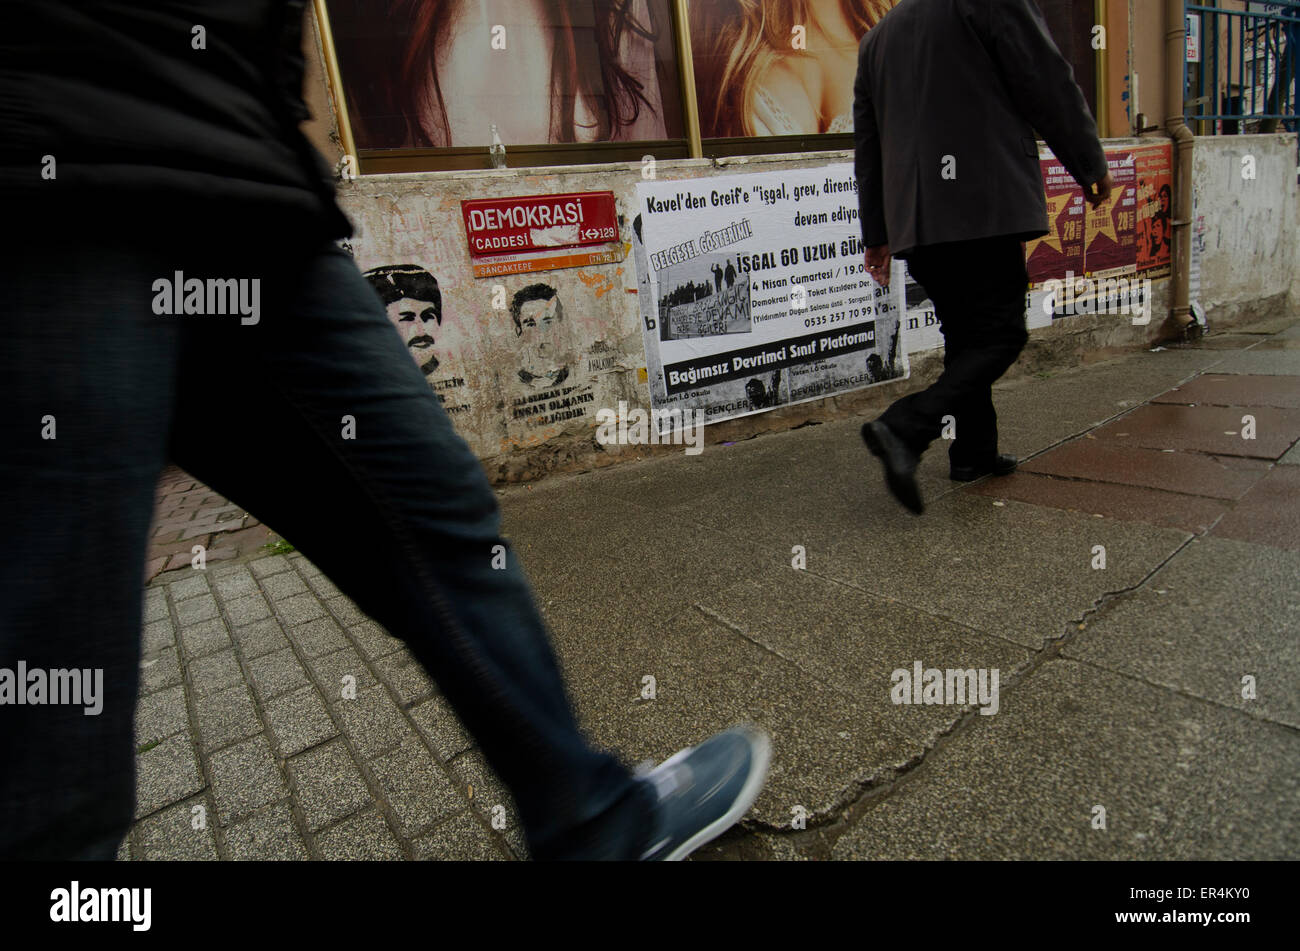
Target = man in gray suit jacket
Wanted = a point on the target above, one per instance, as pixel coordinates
(948, 96)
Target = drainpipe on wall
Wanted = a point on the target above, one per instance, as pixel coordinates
(1180, 323)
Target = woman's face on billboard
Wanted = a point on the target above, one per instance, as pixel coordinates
(509, 87)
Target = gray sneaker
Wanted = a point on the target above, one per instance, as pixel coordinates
(704, 790)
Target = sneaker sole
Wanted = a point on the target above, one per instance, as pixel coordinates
(761, 747)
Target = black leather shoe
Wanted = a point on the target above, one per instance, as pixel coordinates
(1002, 466)
(899, 462)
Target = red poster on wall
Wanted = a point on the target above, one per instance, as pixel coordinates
(1111, 249)
(541, 232)
(1061, 249)
(1154, 209)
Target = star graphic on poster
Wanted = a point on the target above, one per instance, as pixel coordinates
(1101, 220)
(1056, 205)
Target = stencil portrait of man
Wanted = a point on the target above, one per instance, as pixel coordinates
(546, 359)
(414, 304)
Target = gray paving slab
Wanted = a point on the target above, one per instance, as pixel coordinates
(205, 637)
(1035, 413)
(459, 839)
(226, 717)
(276, 673)
(406, 677)
(159, 670)
(260, 637)
(372, 640)
(155, 604)
(362, 838)
(1261, 362)
(373, 723)
(854, 642)
(158, 634)
(281, 587)
(179, 834)
(265, 567)
(1292, 458)
(626, 559)
(442, 729)
(246, 609)
(344, 611)
(320, 584)
(166, 773)
(1018, 571)
(161, 714)
(327, 784)
(707, 677)
(189, 587)
(1281, 321)
(214, 673)
(298, 721)
(244, 778)
(321, 635)
(268, 834)
(332, 671)
(416, 787)
(202, 607)
(1220, 611)
(489, 799)
(299, 610)
(232, 582)
(1178, 778)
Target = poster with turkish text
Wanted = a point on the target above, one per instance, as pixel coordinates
(754, 293)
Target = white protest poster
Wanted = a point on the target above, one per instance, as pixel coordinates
(754, 293)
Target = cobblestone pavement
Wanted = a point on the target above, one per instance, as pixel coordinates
(277, 722)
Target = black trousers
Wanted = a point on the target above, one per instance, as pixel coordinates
(978, 289)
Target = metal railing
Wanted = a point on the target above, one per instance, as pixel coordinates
(1241, 70)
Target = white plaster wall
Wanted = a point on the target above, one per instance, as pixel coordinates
(1248, 229)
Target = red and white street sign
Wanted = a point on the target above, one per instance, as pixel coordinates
(531, 229)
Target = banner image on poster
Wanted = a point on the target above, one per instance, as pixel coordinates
(1061, 249)
(1153, 231)
(1110, 248)
(754, 293)
(740, 51)
(440, 74)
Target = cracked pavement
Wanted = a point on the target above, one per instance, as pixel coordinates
(1156, 692)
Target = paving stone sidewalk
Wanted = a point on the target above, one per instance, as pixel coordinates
(277, 722)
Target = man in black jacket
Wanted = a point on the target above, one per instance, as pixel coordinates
(178, 293)
(948, 95)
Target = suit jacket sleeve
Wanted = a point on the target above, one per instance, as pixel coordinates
(867, 159)
(1041, 84)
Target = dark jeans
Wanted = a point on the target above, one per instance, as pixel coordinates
(401, 518)
(978, 289)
